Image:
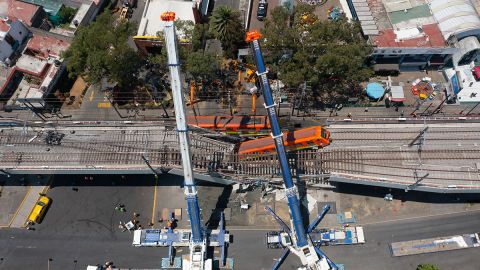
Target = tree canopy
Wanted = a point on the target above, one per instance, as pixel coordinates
(427, 267)
(328, 55)
(202, 65)
(100, 50)
(226, 26)
(194, 61)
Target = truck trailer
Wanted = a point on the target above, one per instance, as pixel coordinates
(432, 245)
(342, 236)
(334, 236)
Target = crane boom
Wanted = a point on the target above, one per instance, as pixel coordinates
(302, 246)
(277, 136)
(198, 239)
(198, 246)
(182, 129)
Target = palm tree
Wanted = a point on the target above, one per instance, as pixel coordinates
(226, 26)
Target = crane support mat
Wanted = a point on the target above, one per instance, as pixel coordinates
(177, 263)
(437, 244)
(346, 218)
(228, 264)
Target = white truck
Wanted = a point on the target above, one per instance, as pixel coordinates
(342, 236)
(336, 236)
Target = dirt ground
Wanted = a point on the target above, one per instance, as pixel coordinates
(77, 91)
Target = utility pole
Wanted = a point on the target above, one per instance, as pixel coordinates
(304, 87)
(279, 97)
(472, 109)
(440, 106)
(417, 180)
(164, 110)
(108, 96)
(428, 107)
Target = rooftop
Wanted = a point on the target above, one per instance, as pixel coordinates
(45, 46)
(30, 93)
(4, 26)
(463, 83)
(427, 36)
(150, 23)
(20, 10)
(80, 15)
(50, 6)
(455, 17)
(31, 65)
(401, 23)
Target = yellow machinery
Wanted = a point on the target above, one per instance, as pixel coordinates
(124, 14)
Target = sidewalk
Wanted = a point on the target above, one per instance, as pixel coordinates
(21, 215)
(10, 198)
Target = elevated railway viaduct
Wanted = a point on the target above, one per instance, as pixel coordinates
(445, 159)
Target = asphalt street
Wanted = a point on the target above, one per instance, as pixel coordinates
(82, 225)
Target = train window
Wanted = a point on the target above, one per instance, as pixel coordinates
(324, 133)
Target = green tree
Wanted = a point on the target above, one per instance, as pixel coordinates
(200, 35)
(66, 14)
(329, 55)
(202, 66)
(194, 61)
(226, 26)
(427, 267)
(100, 50)
(185, 30)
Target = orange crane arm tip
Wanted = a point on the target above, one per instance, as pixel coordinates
(168, 16)
(252, 35)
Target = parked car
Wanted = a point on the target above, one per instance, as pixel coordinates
(39, 209)
(130, 3)
(262, 10)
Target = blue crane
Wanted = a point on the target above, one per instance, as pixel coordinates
(311, 257)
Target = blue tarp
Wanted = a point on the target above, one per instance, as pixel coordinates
(375, 90)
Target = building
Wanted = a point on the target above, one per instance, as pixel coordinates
(425, 34)
(85, 14)
(30, 67)
(147, 39)
(42, 67)
(404, 34)
(51, 7)
(418, 34)
(460, 25)
(12, 34)
(29, 14)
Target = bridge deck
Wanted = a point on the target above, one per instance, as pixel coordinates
(380, 156)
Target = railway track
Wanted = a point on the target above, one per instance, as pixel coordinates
(97, 148)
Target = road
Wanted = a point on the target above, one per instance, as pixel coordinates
(82, 223)
(91, 242)
(256, 24)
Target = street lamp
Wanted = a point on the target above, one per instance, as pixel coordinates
(48, 263)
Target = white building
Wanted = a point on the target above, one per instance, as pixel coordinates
(147, 39)
(12, 35)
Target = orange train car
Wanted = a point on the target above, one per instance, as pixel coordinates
(230, 123)
(300, 139)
